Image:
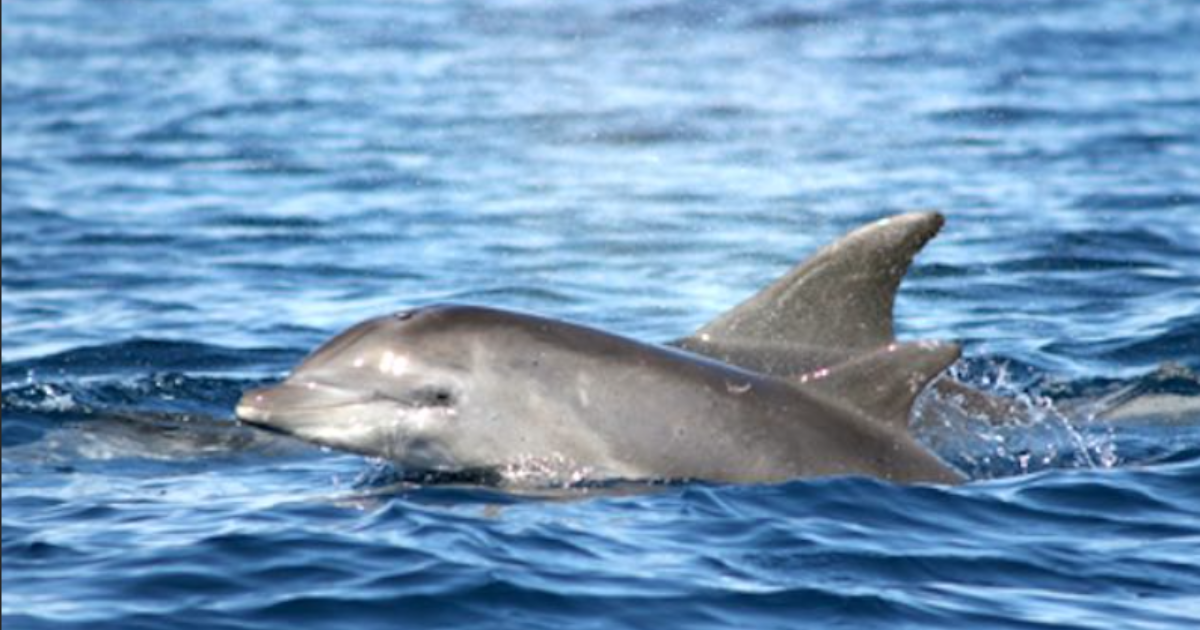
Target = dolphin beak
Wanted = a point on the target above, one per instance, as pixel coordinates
(289, 402)
(254, 406)
(250, 408)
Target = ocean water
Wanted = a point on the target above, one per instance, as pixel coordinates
(197, 193)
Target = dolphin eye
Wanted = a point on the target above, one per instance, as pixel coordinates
(435, 397)
(405, 315)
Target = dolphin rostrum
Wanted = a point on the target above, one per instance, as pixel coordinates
(804, 379)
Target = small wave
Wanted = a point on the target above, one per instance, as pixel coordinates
(1068, 43)
(698, 14)
(131, 158)
(266, 222)
(1000, 115)
(791, 19)
(260, 108)
(1135, 144)
(1179, 343)
(1139, 201)
(643, 135)
(12, 166)
(240, 159)
(518, 294)
(210, 44)
(1072, 264)
(142, 356)
(1122, 242)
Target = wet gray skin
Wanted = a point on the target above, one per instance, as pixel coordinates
(450, 388)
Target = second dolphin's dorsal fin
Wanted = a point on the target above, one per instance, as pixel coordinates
(884, 383)
(842, 297)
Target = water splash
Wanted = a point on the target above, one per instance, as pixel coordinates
(1047, 422)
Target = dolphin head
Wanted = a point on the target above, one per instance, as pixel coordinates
(450, 389)
(390, 387)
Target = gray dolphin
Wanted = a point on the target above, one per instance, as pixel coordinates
(452, 388)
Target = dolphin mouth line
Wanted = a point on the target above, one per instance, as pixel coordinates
(262, 426)
(256, 415)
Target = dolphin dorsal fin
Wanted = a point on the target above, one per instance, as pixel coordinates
(841, 297)
(884, 383)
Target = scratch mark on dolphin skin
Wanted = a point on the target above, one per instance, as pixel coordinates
(815, 376)
(734, 388)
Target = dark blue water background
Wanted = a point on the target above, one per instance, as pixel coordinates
(196, 193)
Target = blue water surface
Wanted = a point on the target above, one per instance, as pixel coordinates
(197, 193)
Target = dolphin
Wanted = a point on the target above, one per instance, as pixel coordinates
(805, 379)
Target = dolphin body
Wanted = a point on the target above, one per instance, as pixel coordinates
(803, 379)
